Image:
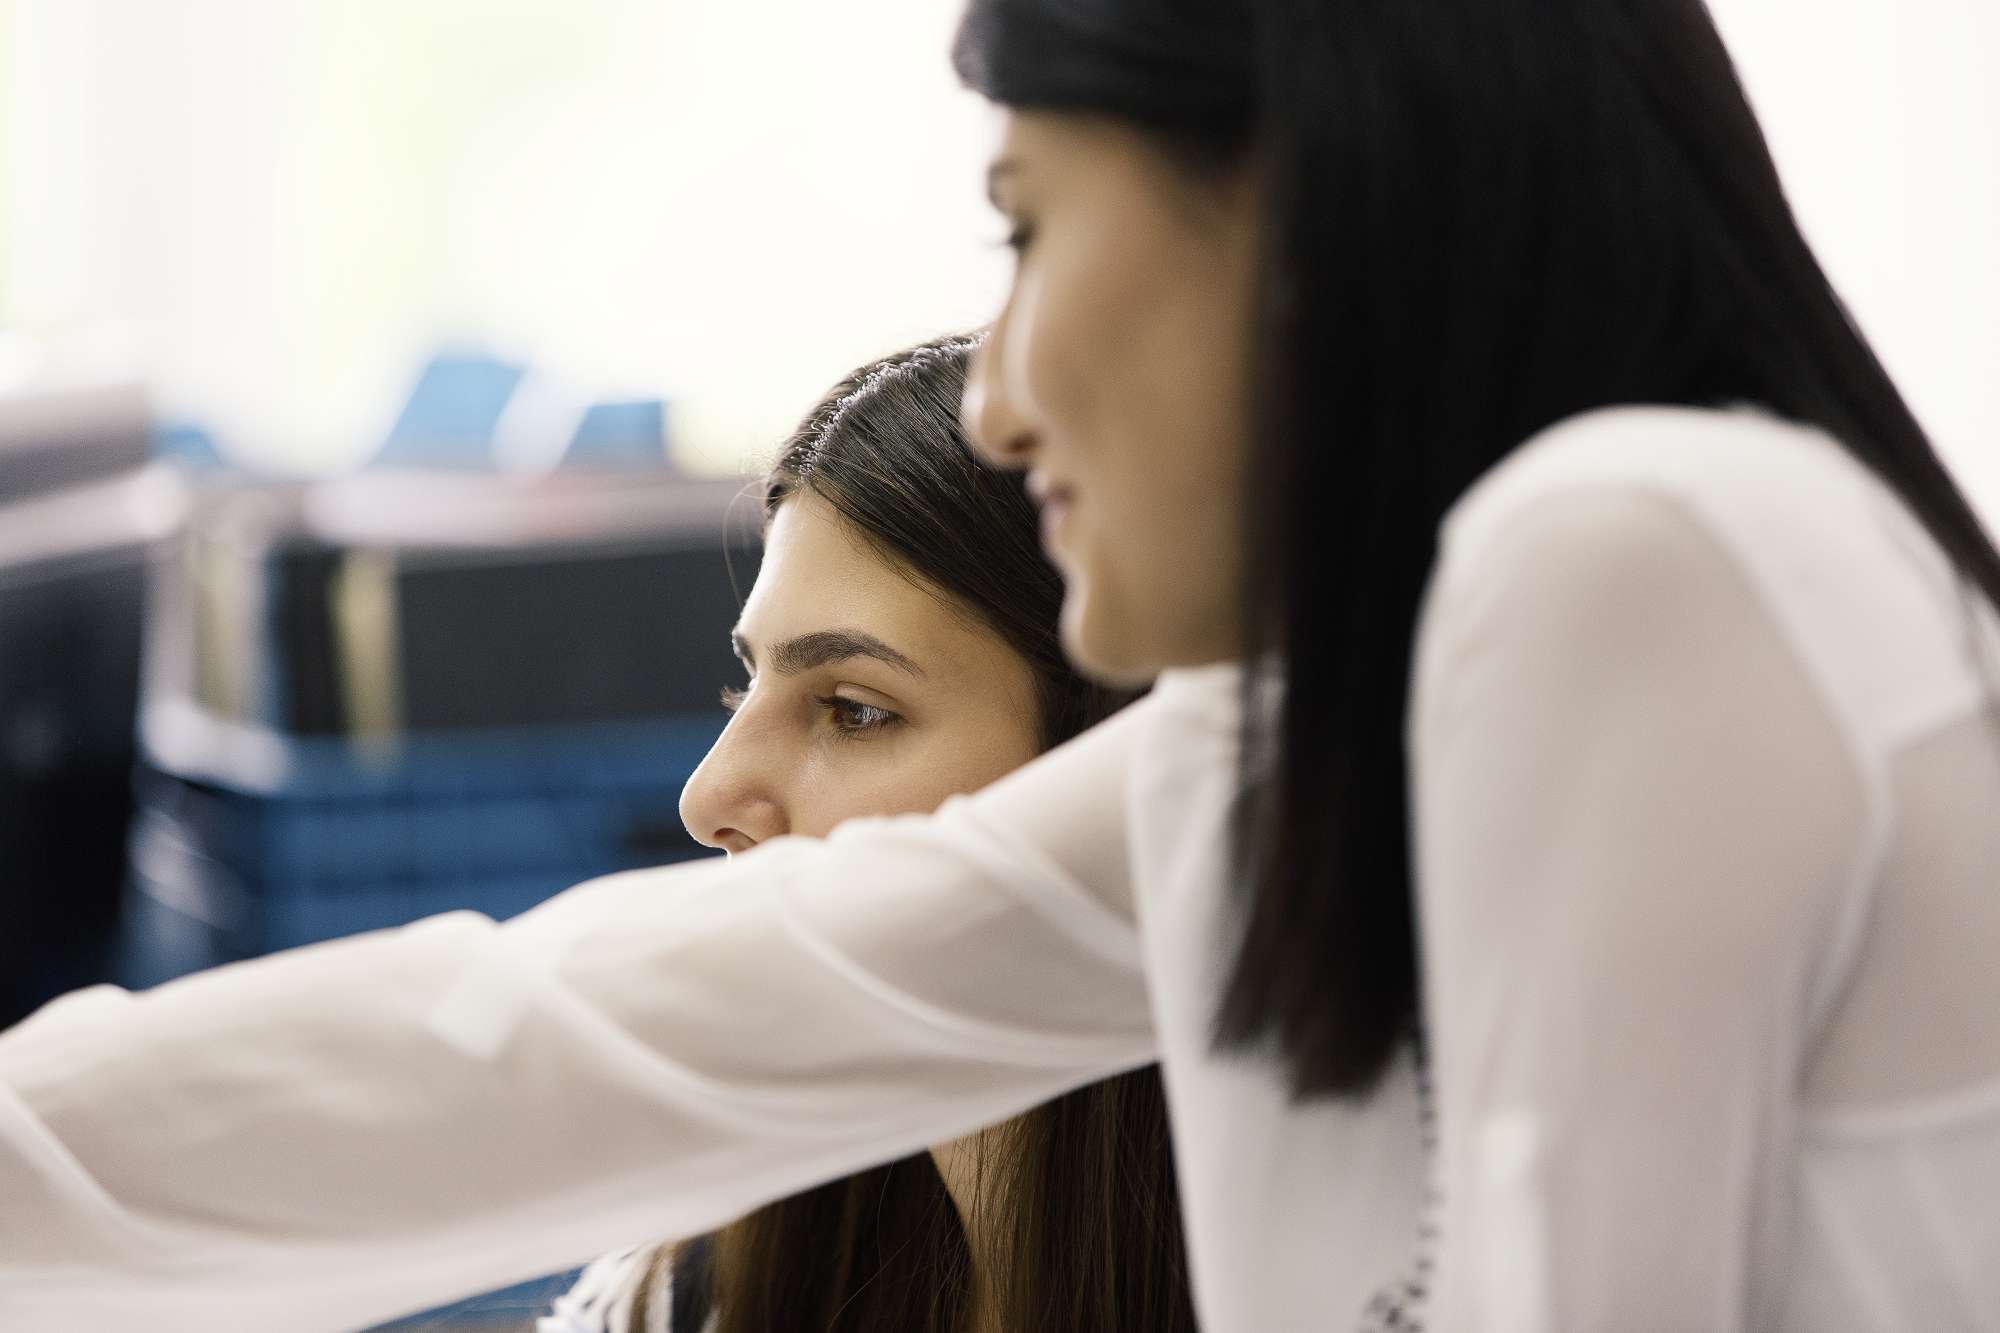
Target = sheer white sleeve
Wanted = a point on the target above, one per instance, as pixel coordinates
(332, 1136)
(1635, 817)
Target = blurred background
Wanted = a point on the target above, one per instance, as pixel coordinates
(378, 377)
(280, 208)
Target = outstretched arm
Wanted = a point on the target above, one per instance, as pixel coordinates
(338, 1134)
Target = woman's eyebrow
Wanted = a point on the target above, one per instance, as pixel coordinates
(823, 648)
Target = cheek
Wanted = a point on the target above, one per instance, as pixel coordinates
(955, 755)
(1060, 323)
(843, 781)
(854, 779)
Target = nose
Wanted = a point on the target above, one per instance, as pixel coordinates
(732, 800)
(992, 420)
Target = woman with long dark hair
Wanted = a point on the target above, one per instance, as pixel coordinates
(1601, 828)
(1613, 616)
(910, 573)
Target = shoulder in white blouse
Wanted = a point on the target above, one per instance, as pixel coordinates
(1706, 799)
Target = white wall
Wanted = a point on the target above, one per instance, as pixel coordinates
(1884, 116)
(286, 202)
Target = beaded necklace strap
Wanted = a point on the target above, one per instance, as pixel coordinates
(1399, 1306)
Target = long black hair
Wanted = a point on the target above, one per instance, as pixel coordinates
(1479, 217)
(1079, 1192)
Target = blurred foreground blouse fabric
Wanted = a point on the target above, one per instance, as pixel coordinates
(326, 1138)
(1705, 776)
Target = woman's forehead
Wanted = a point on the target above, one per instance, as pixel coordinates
(820, 572)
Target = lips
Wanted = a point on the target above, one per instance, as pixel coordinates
(1045, 491)
(1053, 499)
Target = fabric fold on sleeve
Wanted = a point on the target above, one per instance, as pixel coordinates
(336, 1135)
(1636, 821)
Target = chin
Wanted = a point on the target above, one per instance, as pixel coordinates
(1098, 649)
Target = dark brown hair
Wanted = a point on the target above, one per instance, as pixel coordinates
(1079, 1193)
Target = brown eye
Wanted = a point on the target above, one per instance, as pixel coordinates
(851, 717)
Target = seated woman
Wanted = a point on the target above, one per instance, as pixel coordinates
(901, 644)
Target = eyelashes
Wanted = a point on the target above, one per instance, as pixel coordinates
(849, 718)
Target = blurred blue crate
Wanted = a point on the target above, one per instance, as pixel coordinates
(452, 410)
(512, 1310)
(620, 434)
(346, 837)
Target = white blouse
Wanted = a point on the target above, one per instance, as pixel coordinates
(1707, 849)
(1707, 775)
(329, 1137)
(604, 1296)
